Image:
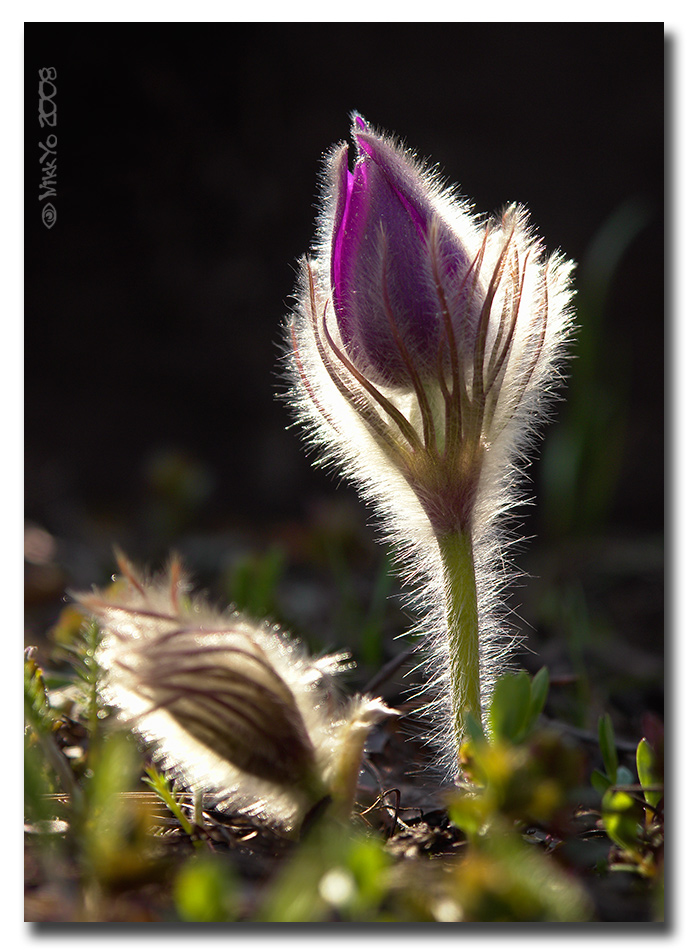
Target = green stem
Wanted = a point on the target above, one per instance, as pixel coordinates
(463, 627)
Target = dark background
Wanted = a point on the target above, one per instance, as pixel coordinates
(188, 162)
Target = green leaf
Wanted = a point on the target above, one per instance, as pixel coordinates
(539, 690)
(206, 891)
(510, 707)
(600, 782)
(620, 816)
(649, 773)
(367, 861)
(468, 812)
(624, 776)
(607, 744)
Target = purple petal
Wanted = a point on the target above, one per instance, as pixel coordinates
(348, 238)
(383, 276)
(401, 176)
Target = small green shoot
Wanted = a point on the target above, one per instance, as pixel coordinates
(520, 773)
(161, 786)
(607, 744)
(629, 810)
(516, 705)
(115, 828)
(621, 816)
(614, 773)
(42, 721)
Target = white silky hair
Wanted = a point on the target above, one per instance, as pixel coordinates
(169, 660)
(339, 437)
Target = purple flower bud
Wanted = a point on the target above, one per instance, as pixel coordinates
(395, 263)
(424, 348)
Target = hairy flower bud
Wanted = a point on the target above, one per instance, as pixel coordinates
(423, 354)
(390, 250)
(233, 707)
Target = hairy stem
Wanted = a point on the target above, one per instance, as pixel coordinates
(463, 627)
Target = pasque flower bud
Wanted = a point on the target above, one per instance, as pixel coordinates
(423, 353)
(390, 250)
(233, 707)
